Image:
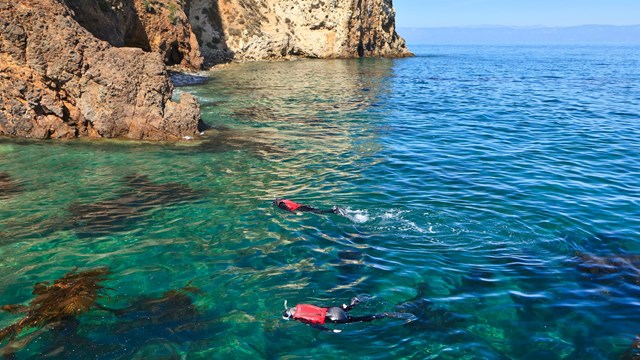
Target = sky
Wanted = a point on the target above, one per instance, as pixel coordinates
(455, 13)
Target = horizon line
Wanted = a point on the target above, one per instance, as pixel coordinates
(511, 26)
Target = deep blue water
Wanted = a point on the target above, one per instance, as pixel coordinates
(492, 192)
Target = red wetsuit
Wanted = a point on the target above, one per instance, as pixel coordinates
(310, 314)
(290, 205)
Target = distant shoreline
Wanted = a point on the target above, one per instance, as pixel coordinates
(529, 35)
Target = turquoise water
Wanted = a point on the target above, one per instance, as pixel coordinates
(493, 192)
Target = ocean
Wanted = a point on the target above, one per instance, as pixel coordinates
(493, 192)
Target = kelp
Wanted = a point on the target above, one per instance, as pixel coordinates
(138, 196)
(147, 320)
(222, 139)
(73, 294)
(173, 305)
(430, 316)
(8, 186)
(633, 353)
(625, 266)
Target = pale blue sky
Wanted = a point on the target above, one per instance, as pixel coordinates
(439, 13)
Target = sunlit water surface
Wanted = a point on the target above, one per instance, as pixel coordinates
(480, 184)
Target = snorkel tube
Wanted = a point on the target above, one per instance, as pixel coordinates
(288, 313)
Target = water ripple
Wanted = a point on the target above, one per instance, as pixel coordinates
(491, 192)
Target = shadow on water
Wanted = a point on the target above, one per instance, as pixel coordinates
(138, 197)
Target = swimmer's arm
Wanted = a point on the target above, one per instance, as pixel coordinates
(322, 328)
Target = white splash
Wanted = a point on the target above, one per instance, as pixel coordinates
(357, 216)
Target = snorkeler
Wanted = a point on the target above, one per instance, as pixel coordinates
(291, 206)
(316, 316)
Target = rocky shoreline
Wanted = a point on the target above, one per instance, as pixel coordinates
(99, 68)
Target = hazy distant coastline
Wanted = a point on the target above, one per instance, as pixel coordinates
(505, 35)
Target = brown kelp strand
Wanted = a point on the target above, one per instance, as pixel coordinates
(138, 196)
(8, 186)
(172, 305)
(220, 139)
(633, 353)
(625, 265)
(71, 295)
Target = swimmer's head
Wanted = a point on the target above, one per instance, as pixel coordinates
(288, 312)
(277, 201)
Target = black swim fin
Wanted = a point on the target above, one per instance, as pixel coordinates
(408, 317)
(340, 211)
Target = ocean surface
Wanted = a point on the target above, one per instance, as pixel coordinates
(492, 192)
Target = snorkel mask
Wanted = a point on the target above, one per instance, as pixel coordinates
(288, 312)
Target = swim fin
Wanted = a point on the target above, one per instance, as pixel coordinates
(408, 317)
(340, 211)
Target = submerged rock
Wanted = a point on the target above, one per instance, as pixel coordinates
(633, 353)
(222, 139)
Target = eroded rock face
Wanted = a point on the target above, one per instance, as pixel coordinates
(152, 25)
(57, 80)
(96, 68)
(278, 29)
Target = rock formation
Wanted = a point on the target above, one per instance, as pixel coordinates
(57, 80)
(96, 68)
(278, 29)
(152, 25)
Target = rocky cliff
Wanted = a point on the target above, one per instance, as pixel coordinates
(57, 80)
(280, 29)
(96, 68)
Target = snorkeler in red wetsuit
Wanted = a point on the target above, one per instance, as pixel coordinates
(288, 205)
(316, 316)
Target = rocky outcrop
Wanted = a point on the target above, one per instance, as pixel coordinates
(152, 25)
(57, 80)
(279, 29)
(96, 68)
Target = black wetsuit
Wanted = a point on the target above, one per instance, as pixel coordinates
(340, 315)
(333, 315)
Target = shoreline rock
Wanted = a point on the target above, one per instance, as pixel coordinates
(252, 30)
(98, 68)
